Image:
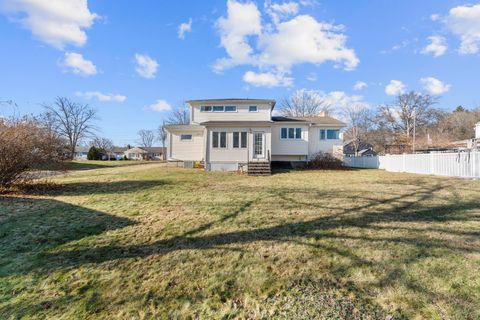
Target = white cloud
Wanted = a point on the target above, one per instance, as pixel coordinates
(55, 22)
(464, 21)
(102, 97)
(146, 66)
(434, 17)
(395, 87)
(78, 64)
(359, 85)
(160, 105)
(184, 28)
(301, 39)
(267, 79)
(281, 11)
(434, 86)
(437, 46)
(243, 20)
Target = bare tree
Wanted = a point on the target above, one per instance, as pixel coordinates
(162, 137)
(359, 122)
(408, 107)
(180, 114)
(305, 103)
(104, 144)
(71, 121)
(147, 138)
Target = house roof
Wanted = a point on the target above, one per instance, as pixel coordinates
(237, 123)
(81, 149)
(136, 150)
(119, 149)
(233, 100)
(321, 120)
(155, 149)
(363, 148)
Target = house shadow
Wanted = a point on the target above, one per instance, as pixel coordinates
(30, 227)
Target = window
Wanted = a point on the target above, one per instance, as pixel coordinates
(298, 133)
(333, 134)
(219, 139)
(253, 109)
(230, 109)
(329, 134)
(205, 108)
(218, 108)
(291, 133)
(239, 139)
(244, 139)
(185, 137)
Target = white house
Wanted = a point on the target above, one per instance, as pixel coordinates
(233, 134)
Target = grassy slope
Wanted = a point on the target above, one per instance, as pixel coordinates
(147, 241)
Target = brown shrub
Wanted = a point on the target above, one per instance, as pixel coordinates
(325, 161)
(25, 145)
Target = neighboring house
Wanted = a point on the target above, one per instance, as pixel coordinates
(145, 153)
(81, 153)
(364, 150)
(231, 134)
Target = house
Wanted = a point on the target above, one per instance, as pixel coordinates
(81, 153)
(239, 134)
(145, 153)
(364, 150)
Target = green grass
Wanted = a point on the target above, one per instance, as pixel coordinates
(146, 241)
(93, 164)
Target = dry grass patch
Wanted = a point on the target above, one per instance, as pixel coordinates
(149, 241)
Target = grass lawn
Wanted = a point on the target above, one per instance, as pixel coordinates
(147, 241)
(92, 164)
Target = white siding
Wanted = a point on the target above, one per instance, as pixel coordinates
(289, 146)
(316, 145)
(236, 155)
(186, 149)
(242, 113)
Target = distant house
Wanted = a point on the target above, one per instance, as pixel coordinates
(118, 153)
(145, 153)
(364, 150)
(81, 153)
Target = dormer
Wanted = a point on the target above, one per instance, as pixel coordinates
(230, 110)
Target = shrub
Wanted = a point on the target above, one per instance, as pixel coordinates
(94, 153)
(26, 145)
(325, 161)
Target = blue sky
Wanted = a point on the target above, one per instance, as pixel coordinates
(130, 61)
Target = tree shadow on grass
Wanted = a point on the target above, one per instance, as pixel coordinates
(92, 188)
(29, 227)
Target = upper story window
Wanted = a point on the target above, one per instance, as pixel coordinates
(185, 137)
(218, 108)
(230, 109)
(205, 108)
(219, 139)
(291, 133)
(329, 134)
(253, 109)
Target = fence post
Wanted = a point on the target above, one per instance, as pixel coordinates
(403, 162)
(431, 163)
(474, 164)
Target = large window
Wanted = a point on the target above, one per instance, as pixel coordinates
(329, 134)
(253, 109)
(184, 137)
(239, 139)
(219, 139)
(205, 108)
(230, 109)
(218, 108)
(291, 133)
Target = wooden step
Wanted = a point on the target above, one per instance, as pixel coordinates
(262, 168)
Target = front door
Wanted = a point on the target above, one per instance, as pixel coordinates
(258, 145)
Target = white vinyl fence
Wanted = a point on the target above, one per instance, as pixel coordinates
(453, 164)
